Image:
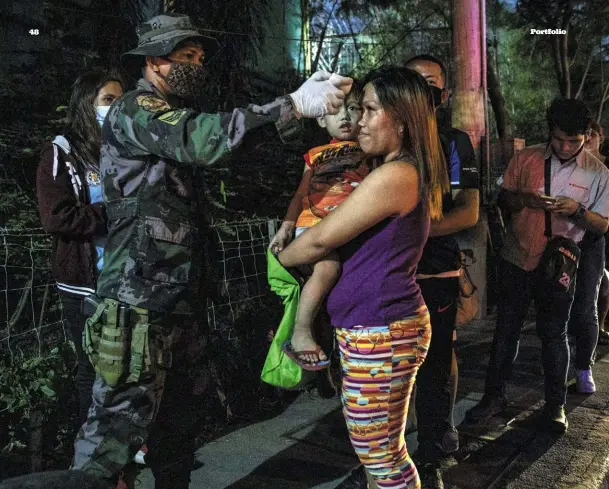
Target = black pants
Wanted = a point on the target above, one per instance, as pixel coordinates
(85, 373)
(433, 397)
(516, 289)
(583, 320)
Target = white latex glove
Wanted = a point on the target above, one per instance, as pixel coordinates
(323, 93)
(343, 83)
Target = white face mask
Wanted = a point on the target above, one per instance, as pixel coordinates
(101, 111)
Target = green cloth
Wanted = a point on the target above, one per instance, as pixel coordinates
(279, 369)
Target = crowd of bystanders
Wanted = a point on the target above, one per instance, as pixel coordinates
(381, 205)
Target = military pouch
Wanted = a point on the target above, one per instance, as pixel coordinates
(95, 308)
(106, 337)
(139, 361)
(90, 304)
(151, 345)
(114, 344)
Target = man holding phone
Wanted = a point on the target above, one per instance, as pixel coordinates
(549, 199)
(579, 203)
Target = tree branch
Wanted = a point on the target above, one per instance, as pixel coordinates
(378, 22)
(25, 294)
(401, 39)
(604, 98)
(554, 43)
(578, 42)
(439, 10)
(533, 49)
(581, 84)
(502, 120)
(336, 57)
(322, 37)
(354, 37)
(564, 51)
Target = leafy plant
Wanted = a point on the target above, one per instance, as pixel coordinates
(32, 384)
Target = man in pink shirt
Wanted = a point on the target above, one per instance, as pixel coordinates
(579, 203)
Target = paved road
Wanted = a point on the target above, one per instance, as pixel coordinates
(307, 446)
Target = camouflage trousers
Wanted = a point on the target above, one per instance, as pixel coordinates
(159, 409)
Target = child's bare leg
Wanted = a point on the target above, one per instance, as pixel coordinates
(325, 274)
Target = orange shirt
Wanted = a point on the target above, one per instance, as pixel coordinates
(338, 168)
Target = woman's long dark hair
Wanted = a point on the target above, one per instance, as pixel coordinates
(404, 94)
(83, 131)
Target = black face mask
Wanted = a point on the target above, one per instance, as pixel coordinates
(436, 94)
(185, 79)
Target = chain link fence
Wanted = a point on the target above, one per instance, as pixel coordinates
(30, 309)
(37, 395)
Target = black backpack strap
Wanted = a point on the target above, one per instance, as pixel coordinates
(547, 177)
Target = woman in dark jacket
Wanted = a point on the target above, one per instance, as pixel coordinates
(71, 207)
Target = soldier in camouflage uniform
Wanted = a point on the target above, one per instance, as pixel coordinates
(145, 336)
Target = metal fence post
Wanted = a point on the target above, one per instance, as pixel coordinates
(272, 226)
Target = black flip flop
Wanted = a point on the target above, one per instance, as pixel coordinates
(288, 349)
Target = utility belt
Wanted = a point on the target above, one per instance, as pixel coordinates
(125, 342)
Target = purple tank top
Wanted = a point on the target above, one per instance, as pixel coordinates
(377, 285)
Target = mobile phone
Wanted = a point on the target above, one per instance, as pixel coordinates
(548, 198)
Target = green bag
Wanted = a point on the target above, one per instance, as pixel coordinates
(279, 369)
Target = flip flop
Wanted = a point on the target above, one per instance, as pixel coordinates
(603, 337)
(288, 349)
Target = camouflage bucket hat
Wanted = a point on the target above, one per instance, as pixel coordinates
(161, 34)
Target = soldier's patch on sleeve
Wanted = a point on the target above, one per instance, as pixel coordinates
(172, 117)
(152, 103)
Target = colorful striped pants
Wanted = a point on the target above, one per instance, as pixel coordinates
(379, 366)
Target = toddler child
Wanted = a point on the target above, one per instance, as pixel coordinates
(331, 173)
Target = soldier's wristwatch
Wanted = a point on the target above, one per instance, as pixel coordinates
(579, 213)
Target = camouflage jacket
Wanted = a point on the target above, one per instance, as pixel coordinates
(149, 155)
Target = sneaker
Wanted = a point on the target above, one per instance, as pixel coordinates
(488, 407)
(431, 477)
(432, 454)
(140, 456)
(555, 419)
(450, 441)
(355, 480)
(585, 382)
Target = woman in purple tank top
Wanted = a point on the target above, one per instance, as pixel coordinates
(382, 324)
